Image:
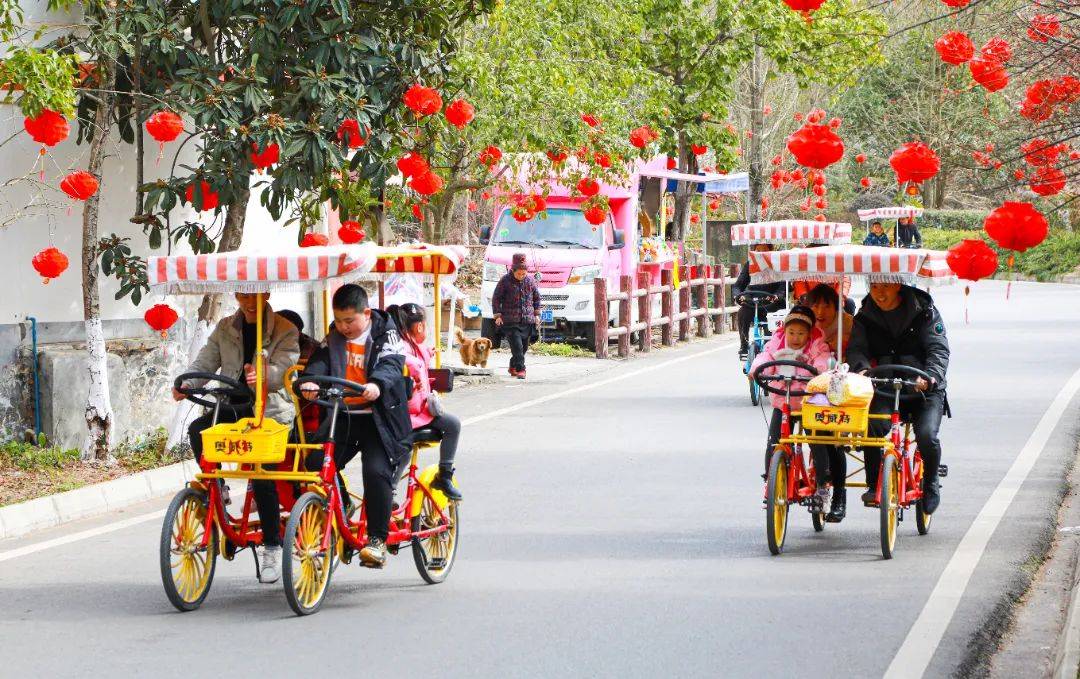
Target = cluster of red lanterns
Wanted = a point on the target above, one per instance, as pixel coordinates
(914, 162)
(988, 69)
(955, 47)
(1045, 179)
(160, 318)
(641, 137)
(1043, 27)
(527, 207)
(422, 101)
(490, 156)
(1043, 97)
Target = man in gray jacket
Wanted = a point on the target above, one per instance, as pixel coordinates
(230, 351)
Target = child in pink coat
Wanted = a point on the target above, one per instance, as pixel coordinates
(412, 323)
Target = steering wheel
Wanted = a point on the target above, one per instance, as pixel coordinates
(886, 375)
(332, 390)
(748, 297)
(765, 381)
(239, 394)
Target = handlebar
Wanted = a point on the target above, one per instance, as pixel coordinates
(897, 384)
(749, 297)
(332, 390)
(765, 381)
(239, 394)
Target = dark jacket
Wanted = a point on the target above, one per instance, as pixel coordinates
(385, 366)
(907, 235)
(921, 345)
(516, 301)
(878, 239)
(742, 284)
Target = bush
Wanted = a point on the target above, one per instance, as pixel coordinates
(30, 457)
(1058, 255)
(969, 220)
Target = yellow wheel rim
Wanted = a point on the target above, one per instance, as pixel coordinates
(780, 503)
(190, 562)
(894, 502)
(440, 546)
(310, 560)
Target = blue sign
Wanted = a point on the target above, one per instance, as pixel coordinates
(547, 316)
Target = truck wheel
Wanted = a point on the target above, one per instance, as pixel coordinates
(489, 330)
(588, 330)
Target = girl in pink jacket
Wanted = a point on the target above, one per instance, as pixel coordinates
(412, 323)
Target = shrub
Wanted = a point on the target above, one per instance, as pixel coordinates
(29, 456)
(970, 220)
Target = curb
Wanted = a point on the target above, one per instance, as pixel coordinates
(1067, 665)
(82, 503)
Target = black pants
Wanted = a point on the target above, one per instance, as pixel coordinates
(450, 426)
(518, 334)
(744, 320)
(925, 415)
(829, 461)
(266, 497)
(357, 434)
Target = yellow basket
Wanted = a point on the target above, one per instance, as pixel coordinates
(834, 418)
(241, 442)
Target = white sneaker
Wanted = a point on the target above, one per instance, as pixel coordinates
(268, 565)
(821, 499)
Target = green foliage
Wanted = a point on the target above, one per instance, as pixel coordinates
(45, 76)
(560, 349)
(149, 452)
(1058, 255)
(969, 220)
(117, 261)
(31, 457)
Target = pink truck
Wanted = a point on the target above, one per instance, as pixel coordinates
(566, 253)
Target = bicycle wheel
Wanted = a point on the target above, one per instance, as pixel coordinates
(922, 519)
(776, 504)
(306, 566)
(755, 390)
(889, 508)
(434, 555)
(819, 521)
(187, 568)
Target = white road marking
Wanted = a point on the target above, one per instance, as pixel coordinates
(142, 518)
(81, 535)
(924, 636)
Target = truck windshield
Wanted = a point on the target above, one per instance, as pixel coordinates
(563, 227)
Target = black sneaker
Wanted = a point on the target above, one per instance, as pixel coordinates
(838, 510)
(931, 496)
(373, 555)
(743, 353)
(869, 498)
(444, 482)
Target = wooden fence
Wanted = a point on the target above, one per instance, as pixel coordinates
(690, 304)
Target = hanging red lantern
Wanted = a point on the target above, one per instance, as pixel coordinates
(672, 164)
(914, 162)
(1039, 152)
(1048, 181)
(50, 263)
(912, 190)
(426, 184)
(694, 219)
(79, 185)
(714, 204)
(538, 203)
(595, 215)
(412, 164)
(589, 119)
(417, 212)
(865, 182)
(819, 189)
(422, 101)
(640, 137)
(349, 133)
(988, 73)
(602, 159)
(1016, 226)
(861, 158)
(698, 149)
(588, 187)
(954, 48)
(209, 196)
(805, 7)
(459, 113)
(489, 156)
(265, 158)
(557, 156)
(997, 49)
(815, 146)
(1043, 27)
(48, 128)
(972, 259)
(160, 318)
(350, 232)
(311, 240)
(767, 110)
(472, 206)
(164, 126)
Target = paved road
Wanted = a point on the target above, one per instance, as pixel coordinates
(613, 531)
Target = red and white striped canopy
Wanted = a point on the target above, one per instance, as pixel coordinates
(891, 212)
(420, 258)
(792, 232)
(832, 263)
(298, 268)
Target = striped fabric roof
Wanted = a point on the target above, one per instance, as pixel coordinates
(791, 231)
(831, 263)
(298, 268)
(892, 212)
(422, 258)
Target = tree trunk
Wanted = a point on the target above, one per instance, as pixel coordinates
(757, 99)
(937, 199)
(683, 190)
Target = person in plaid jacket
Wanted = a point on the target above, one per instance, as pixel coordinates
(516, 306)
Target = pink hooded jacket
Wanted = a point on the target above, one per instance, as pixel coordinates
(417, 360)
(816, 352)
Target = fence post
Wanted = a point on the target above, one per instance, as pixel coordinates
(645, 313)
(684, 303)
(696, 272)
(626, 286)
(667, 309)
(719, 298)
(601, 317)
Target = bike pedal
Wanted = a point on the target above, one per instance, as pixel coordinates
(943, 470)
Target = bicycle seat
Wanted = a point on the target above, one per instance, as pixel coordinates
(426, 435)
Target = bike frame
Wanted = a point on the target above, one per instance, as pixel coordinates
(909, 459)
(802, 478)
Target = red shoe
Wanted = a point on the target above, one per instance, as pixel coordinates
(513, 373)
(520, 374)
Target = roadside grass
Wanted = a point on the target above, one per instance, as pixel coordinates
(560, 349)
(1058, 255)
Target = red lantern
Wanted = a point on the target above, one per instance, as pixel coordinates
(821, 204)
(490, 156)
(588, 187)
(913, 190)
(209, 197)
(412, 164)
(423, 101)
(417, 212)
(557, 156)
(164, 126)
(694, 219)
(1043, 27)
(914, 162)
(349, 132)
(714, 204)
(538, 203)
(472, 206)
(427, 183)
(956, 3)
(1016, 226)
(50, 263)
(1048, 181)
(160, 318)
(815, 146)
(1039, 152)
(672, 164)
(270, 155)
(350, 232)
(79, 185)
(972, 259)
(796, 175)
(459, 113)
(698, 149)
(955, 48)
(590, 120)
(819, 189)
(311, 240)
(642, 136)
(49, 128)
(997, 49)
(595, 215)
(988, 73)
(804, 7)
(602, 159)
(865, 182)
(1019, 174)
(861, 158)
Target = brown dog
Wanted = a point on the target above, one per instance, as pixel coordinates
(474, 351)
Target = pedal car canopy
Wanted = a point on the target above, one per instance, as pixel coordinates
(891, 212)
(791, 232)
(421, 259)
(831, 264)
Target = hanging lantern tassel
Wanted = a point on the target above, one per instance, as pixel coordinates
(967, 293)
(1008, 286)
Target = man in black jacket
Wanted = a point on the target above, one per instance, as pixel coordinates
(907, 234)
(746, 311)
(365, 347)
(900, 325)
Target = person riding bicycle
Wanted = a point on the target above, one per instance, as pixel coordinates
(230, 351)
(877, 236)
(907, 234)
(898, 324)
(365, 347)
(746, 311)
(796, 340)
